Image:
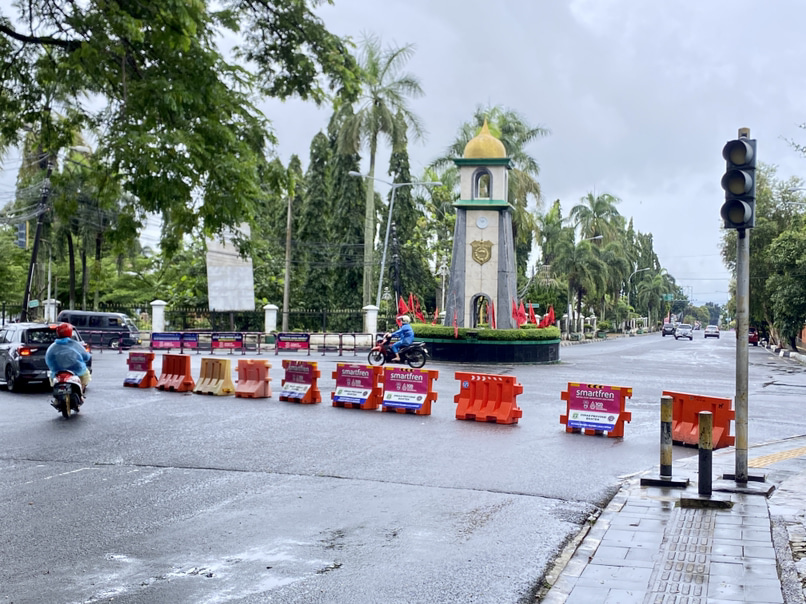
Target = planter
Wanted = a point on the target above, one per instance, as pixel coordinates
(485, 351)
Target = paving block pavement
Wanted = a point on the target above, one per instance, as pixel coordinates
(663, 545)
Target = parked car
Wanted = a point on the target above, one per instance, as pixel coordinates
(667, 329)
(712, 331)
(684, 330)
(752, 336)
(22, 353)
(110, 329)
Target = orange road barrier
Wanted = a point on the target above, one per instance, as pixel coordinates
(215, 377)
(141, 374)
(299, 384)
(253, 379)
(596, 409)
(488, 398)
(685, 422)
(358, 386)
(175, 374)
(407, 390)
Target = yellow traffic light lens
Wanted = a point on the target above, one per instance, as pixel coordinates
(737, 182)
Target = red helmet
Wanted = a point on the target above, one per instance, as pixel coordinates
(64, 330)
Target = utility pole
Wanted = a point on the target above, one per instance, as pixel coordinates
(43, 204)
(287, 279)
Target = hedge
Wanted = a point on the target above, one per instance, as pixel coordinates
(446, 333)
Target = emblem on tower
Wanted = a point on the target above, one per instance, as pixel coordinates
(482, 251)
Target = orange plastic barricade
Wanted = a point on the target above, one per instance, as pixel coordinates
(596, 409)
(300, 382)
(685, 421)
(215, 377)
(175, 374)
(253, 379)
(357, 386)
(141, 374)
(488, 398)
(407, 390)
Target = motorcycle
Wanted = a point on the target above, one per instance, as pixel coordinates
(414, 354)
(68, 393)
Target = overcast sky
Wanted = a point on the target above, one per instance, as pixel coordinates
(640, 98)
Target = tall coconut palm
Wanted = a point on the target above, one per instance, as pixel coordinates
(597, 215)
(651, 290)
(582, 268)
(385, 91)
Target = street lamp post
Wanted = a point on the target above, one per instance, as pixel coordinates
(395, 186)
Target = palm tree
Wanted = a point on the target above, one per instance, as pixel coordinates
(384, 94)
(597, 215)
(651, 290)
(618, 269)
(582, 268)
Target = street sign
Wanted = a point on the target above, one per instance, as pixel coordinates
(33, 303)
(668, 297)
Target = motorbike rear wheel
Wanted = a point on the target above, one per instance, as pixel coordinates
(415, 359)
(65, 407)
(376, 357)
(75, 402)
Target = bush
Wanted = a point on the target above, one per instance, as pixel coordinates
(604, 325)
(445, 332)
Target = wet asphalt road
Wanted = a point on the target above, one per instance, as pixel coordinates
(158, 497)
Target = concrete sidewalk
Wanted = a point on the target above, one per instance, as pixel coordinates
(649, 547)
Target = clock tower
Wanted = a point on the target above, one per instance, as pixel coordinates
(483, 258)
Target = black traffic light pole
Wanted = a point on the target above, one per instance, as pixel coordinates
(739, 213)
(43, 204)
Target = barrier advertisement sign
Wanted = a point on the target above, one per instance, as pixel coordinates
(298, 379)
(190, 340)
(166, 340)
(293, 341)
(593, 407)
(139, 364)
(227, 340)
(353, 383)
(405, 388)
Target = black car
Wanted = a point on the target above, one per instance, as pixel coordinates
(22, 353)
(667, 330)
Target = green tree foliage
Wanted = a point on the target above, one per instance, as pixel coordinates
(178, 130)
(12, 273)
(382, 111)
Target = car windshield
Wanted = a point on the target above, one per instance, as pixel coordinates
(684, 326)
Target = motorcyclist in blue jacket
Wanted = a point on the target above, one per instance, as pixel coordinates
(406, 335)
(67, 354)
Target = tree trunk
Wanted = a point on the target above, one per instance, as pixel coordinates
(85, 279)
(97, 271)
(71, 258)
(369, 224)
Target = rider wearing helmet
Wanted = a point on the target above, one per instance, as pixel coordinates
(66, 354)
(406, 335)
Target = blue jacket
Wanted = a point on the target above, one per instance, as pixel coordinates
(67, 354)
(405, 333)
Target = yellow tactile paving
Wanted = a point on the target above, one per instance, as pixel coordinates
(765, 460)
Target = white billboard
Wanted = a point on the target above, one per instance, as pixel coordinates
(230, 282)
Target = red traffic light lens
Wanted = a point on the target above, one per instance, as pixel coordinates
(738, 152)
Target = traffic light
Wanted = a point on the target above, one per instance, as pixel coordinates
(22, 235)
(739, 182)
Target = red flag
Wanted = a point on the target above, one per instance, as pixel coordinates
(492, 314)
(521, 315)
(514, 311)
(550, 322)
(418, 311)
(532, 317)
(455, 326)
(411, 302)
(436, 314)
(402, 309)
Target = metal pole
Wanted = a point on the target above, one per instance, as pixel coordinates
(706, 423)
(386, 242)
(286, 284)
(666, 417)
(742, 329)
(43, 202)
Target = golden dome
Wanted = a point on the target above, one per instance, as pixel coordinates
(484, 146)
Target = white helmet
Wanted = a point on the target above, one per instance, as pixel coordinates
(404, 319)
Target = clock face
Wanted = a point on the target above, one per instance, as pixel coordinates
(481, 222)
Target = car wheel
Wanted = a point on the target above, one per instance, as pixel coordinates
(12, 385)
